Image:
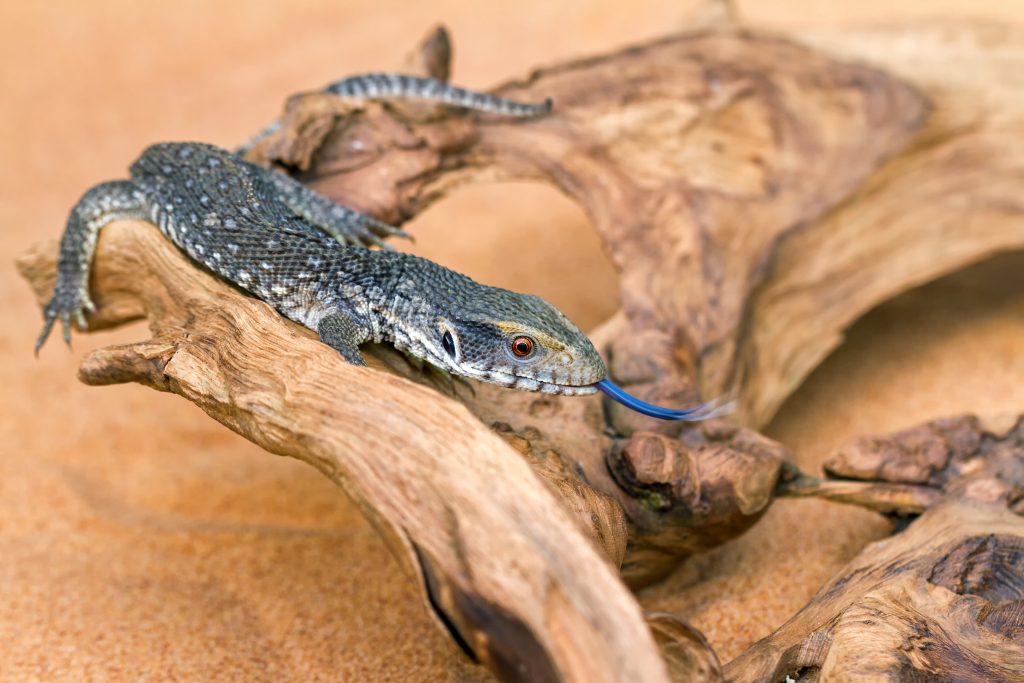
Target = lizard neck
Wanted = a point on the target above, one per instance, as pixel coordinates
(407, 316)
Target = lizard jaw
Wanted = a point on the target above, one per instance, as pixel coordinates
(505, 379)
(511, 381)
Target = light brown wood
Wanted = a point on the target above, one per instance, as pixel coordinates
(692, 170)
(719, 146)
(952, 197)
(943, 599)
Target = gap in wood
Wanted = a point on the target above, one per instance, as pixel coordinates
(523, 236)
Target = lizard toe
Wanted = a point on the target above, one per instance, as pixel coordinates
(48, 320)
(65, 323)
(382, 229)
(67, 309)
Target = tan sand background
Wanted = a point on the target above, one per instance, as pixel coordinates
(139, 540)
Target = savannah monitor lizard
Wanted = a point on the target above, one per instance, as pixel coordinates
(309, 258)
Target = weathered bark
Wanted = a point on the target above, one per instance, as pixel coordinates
(942, 600)
(756, 196)
(692, 169)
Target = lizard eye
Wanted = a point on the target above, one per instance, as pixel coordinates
(448, 343)
(522, 347)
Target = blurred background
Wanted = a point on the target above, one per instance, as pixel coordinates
(139, 538)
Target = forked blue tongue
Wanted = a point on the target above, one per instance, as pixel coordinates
(715, 408)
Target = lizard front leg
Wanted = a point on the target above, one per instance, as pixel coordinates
(104, 203)
(342, 334)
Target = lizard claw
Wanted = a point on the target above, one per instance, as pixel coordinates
(442, 379)
(368, 239)
(382, 229)
(373, 232)
(66, 308)
(65, 323)
(464, 383)
(47, 327)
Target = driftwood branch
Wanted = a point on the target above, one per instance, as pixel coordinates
(942, 599)
(756, 195)
(696, 169)
(905, 473)
(502, 563)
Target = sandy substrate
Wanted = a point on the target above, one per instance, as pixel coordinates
(140, 540)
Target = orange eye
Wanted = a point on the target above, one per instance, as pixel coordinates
(522, 347)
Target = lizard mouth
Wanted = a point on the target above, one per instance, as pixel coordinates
(510, 380)
(507, 379)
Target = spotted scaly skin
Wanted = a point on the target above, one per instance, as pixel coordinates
(309, 259)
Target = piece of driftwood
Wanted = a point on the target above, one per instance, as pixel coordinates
(695, 157)
(906, 473)
(943, 599)
(502, 563)
(756, 195)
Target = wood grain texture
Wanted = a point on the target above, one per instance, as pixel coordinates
(753, 194)
(943, 599)
(503, 565)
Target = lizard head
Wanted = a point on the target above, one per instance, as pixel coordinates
(515, 340)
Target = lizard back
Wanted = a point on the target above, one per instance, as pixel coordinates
(225, 214)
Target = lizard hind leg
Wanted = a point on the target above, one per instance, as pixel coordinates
(340, 222)
(104, 203)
